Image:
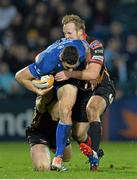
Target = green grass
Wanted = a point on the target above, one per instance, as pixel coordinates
(15, 163)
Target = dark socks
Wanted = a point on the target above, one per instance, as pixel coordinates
(95, 134)
(88, 141)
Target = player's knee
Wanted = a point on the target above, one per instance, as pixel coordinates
(79, 137)
(66, 159)
(92, 112)
(67, 156)
(42, 167)
(65, 112)
(40, 157)
(67, 153)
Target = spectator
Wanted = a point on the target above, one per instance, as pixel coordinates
(30, 26)
(131, 53)
(7, 81)
(7, 13)
(8, 38)
(118, 31)
(112, 51)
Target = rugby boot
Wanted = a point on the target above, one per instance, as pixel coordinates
(92, 156)
(57, 164)
(100, 152)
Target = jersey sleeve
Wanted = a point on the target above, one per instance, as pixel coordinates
(43, 65)
(97, 52)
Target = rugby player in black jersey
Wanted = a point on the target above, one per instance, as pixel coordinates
(41, 134)
(96, 91)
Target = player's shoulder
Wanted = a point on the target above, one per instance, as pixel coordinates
(74, 40)
(94, 43)
(67, 42)
(80, 44)
(39, 57)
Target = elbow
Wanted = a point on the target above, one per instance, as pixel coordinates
(86, 76)
(90, 78)
(93, 76)
(18, 77)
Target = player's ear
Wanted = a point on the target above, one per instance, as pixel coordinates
(80, 32)
(61, 56)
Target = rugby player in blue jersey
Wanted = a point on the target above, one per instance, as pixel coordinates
(63, 54)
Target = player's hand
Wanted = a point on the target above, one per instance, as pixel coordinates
(42, 92)
(63, 75)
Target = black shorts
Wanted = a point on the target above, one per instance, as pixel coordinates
(43, 131)
(70, 81)
(105, 89)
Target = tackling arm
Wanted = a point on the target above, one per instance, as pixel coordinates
(92, 70)
(91, 73)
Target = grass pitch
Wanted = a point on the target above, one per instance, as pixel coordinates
(119, 162)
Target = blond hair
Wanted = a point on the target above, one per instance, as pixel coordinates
(79, 23)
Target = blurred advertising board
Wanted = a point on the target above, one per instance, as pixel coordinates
(15, 115)
(120, 122)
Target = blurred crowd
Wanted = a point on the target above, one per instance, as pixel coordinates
(29, 26)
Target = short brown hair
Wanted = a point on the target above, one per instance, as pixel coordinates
(79, 23)
(70, 55)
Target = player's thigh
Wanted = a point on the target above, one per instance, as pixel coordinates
(102, 96)
(67, 95)
(40, 156)
(96, 103)
(67, 153)
(79, 130)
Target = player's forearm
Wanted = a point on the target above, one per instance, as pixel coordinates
(26, 83)
(84, 75)
(25, 79)
(90, 74)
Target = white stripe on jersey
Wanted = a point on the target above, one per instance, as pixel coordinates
(99, 58)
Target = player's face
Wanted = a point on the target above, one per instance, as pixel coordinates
(68, 66)
(70, 31)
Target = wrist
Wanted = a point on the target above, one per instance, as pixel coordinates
(70, 74)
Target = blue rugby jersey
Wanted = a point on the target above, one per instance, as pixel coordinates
(48, 61)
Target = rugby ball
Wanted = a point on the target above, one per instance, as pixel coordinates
(44, 82)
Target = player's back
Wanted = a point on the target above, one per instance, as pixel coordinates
(48, 61)
(55, 49)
